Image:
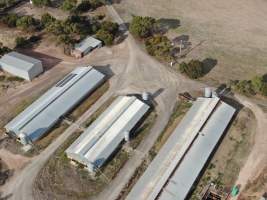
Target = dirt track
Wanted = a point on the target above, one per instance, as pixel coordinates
(257, 159)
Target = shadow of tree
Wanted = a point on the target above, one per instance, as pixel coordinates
(209, 64)
(164, 24)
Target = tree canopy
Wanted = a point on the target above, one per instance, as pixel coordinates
(194, 69)
(142, 27)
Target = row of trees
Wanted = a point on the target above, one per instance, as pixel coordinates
(157, 45)
(81, 26)
(26, 22)
(257, 85)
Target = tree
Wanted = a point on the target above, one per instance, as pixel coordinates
(69, 5)
(105, 36)
(10, 19)
(96, 3)
(159, 46)
(84, 6)
(194, 69)
(142, 27)
(47, 19)
(110, 27)
(27, 23)
(21, 42)
(40, 3)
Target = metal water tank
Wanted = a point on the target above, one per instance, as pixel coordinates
(91, 167)
(145, 96)
(23, 138)
(207, 92)
(127, 136)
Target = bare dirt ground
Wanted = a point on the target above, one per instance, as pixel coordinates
(255, 166)
(232, 31)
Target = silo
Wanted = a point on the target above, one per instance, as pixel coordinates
(91, 167)
(207, 92)
(145, 96)
(23, 138)
(127, 136)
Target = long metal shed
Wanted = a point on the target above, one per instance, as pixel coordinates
(21, 65)
(40, 116)
(104, 135)
(174, 170)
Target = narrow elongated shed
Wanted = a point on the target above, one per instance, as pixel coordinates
(104, 135)
(41, 115)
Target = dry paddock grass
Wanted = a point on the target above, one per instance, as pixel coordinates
(232, 31)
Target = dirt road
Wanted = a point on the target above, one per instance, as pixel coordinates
(257, 159)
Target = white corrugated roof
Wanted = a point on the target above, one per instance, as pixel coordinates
(205, 113)
(87, 43)
(19, 61)
(35, 120)
(101, 138)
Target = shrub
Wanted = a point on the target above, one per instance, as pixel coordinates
(27, 23)
(47, 19)
(110, 27)
(142, 27)
(159, 46)
(105, 36)
(3, 49)
(40, 3)
(84, 6)
(194, 69)
(96, 3)
(10, 20)
(21, 42)
(69, 5)
(15, 78)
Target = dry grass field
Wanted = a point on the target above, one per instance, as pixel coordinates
(232, 31)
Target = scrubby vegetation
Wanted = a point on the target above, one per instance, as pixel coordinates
(6, 3)
(107, 32)
(193, 69)
(26, 23)
(40, 3)
(24, 42)
(257, 85)
(80, 7)
(3, 49)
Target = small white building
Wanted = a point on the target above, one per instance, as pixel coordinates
(21, 65)
(85, 46)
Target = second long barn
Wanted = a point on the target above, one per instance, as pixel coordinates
(104, 135)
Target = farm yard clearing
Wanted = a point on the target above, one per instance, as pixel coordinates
(232, 32)
(130, 71)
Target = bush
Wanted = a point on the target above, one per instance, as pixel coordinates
(15, 78)
(3, 49)
(159, 46)
(84, 6)
(27, 23)
(194, 69)
(21, 42)
(142, 27)
(257, 85)
(96, 3)
(110, 27)
(40, 3)
(10, 20)
(47, 19)
(69, 5)
(105, 37)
